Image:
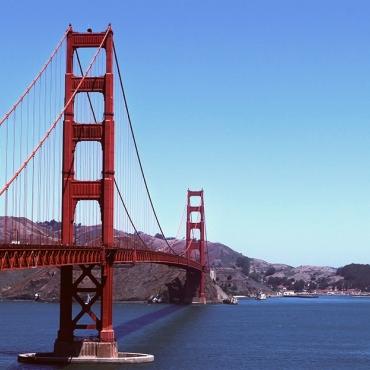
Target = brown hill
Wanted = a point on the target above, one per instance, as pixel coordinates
(234, 279)
(154, 279)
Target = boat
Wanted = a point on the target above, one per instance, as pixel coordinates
(155, 299)
(230, 300)
(261, 296)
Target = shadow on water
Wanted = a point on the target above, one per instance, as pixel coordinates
(151, 335)
(327, 333)
(142, 327)
(131, 326)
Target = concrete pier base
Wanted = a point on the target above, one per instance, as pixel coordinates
(84, 352)
(199, 300)
(87, 347)
(52, 358)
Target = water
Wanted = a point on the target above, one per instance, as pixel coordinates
(323, 333)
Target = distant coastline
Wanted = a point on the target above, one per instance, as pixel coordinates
(231, 273)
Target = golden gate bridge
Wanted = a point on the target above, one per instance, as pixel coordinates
(69, 153)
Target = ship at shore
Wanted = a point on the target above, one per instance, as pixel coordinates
(261, 296)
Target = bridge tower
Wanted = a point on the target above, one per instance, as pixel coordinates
(195, 239)
(102, 191)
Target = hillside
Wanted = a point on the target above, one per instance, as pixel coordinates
(167, 281)
(235, 273)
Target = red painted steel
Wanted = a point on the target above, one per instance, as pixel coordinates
(68, 256)
(19, 256)
(37, 78)
(77, 190)
(193, 243)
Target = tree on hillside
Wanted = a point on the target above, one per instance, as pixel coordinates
(355, 276)
(274, 281)
(270, 271)
(256, 277)
(299, 285)
(244, 263)
(323, 283)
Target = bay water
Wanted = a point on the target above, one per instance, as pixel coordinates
(278, 333)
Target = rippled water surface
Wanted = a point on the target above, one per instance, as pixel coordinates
(280, 333)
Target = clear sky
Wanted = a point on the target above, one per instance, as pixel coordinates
(264, 104)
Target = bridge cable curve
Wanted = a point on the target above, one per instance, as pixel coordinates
(137, 150)
(115, 182)
(32, 84)
(52, 127)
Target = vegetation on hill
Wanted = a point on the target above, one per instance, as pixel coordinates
(235, 273)
(356, 276)
(244, 263)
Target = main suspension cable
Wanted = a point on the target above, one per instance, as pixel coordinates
(30, 86)
(128, 214)
(115, 182)
(88, 95)
(137, 150)
(52, 127)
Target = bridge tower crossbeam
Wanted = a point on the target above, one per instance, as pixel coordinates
(94, 264)
(101, 191)
(196, 240)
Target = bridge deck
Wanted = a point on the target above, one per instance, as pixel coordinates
(18, 256)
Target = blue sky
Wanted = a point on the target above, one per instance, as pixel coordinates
(264, 104)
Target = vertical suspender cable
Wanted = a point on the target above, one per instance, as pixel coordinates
(115, 182)
(137, 150)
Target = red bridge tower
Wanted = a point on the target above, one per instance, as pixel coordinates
(195, 238)
(101, 191)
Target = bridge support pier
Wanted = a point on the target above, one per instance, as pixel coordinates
(202, 288)
(68, 347)
(102, 346)
(196, 242)
(100, 287)
(102, 191)
(195, 287)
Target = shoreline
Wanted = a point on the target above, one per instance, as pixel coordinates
(114, 302)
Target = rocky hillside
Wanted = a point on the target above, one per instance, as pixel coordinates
(268, 277)
(235, 273)
(131, 283)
